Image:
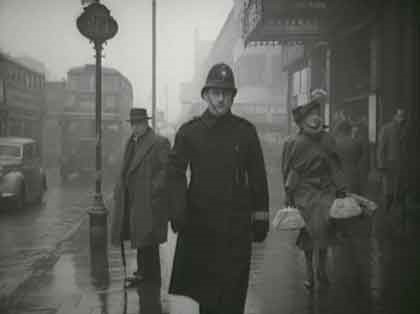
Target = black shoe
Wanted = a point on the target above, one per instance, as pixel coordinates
(323, 279)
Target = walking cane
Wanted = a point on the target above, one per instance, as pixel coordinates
(123, 260)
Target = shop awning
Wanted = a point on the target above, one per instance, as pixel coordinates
(283, 21)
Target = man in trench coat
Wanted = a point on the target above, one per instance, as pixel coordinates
(141, 202)
(224, 207)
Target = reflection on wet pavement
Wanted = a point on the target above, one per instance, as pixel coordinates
(370, 273)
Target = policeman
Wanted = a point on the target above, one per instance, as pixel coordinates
(225, 205)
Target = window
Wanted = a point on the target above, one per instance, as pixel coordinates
(28, 153)
(10, 151)
(35, 150)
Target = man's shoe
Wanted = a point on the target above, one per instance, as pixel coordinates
(309, 284)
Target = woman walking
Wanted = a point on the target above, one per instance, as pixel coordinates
(313, 180)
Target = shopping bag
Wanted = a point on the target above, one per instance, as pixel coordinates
(346, 207)
(288, 218)
(368, 207)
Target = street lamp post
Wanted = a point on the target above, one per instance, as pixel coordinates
(154, 64)
(97, 24)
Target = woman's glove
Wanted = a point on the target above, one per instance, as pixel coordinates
(289, 201)
(341, 193)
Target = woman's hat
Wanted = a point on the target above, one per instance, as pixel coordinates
(138, 114)
(300, 112)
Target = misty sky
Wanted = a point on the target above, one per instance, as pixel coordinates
(46, 30)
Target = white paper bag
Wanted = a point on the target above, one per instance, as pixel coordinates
(346, 207)
(368, 206)
(288, 218)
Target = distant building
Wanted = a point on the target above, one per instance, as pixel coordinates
(22, 98)
(55, 100)
(190, 98)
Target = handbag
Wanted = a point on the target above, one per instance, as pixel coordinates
(288, 218)
(368, 207)
(343, 208)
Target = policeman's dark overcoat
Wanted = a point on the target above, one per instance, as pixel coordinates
(227, 185)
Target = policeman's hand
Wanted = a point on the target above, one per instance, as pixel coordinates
(260, 229)
(177, 225)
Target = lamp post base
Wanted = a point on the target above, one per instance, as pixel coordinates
(98, 223)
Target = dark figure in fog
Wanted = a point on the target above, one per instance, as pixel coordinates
(224, 207)
(391, 150)
(350, 151)
(360, 132)
(141, 201)
(313, 180)
(338, 118)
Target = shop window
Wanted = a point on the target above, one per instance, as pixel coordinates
(28, 152)
(27, 129)
(15, 128)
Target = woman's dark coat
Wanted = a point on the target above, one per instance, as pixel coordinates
(228, 184)
(312, 175)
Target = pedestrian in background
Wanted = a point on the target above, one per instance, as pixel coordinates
(351, 154)
(390, 154)
(338, 117)
(225, 206)
(360, 132)
(140, 213)
(312, 180)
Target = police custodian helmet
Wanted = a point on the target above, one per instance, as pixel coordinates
(220, 76)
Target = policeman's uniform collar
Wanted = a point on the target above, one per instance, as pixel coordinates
(211, 120)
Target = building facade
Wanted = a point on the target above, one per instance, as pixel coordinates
(22, 99)
(363, 53)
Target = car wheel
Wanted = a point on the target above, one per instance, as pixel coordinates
(20, 199)
(44, 183)
(42, 190)
(64, 176)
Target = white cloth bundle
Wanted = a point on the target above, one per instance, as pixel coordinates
(368, 206)
(346, 207)
(288, 218)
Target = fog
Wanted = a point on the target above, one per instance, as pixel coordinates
(46, 31)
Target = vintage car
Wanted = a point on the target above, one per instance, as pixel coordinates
(22, 179)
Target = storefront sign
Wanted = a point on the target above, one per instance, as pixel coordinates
(283, 21)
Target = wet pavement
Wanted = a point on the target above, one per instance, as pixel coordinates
(371, 269)
(30, 237)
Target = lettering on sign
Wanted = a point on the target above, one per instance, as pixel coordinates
(311, 5)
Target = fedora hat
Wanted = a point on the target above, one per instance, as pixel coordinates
(138, 114)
